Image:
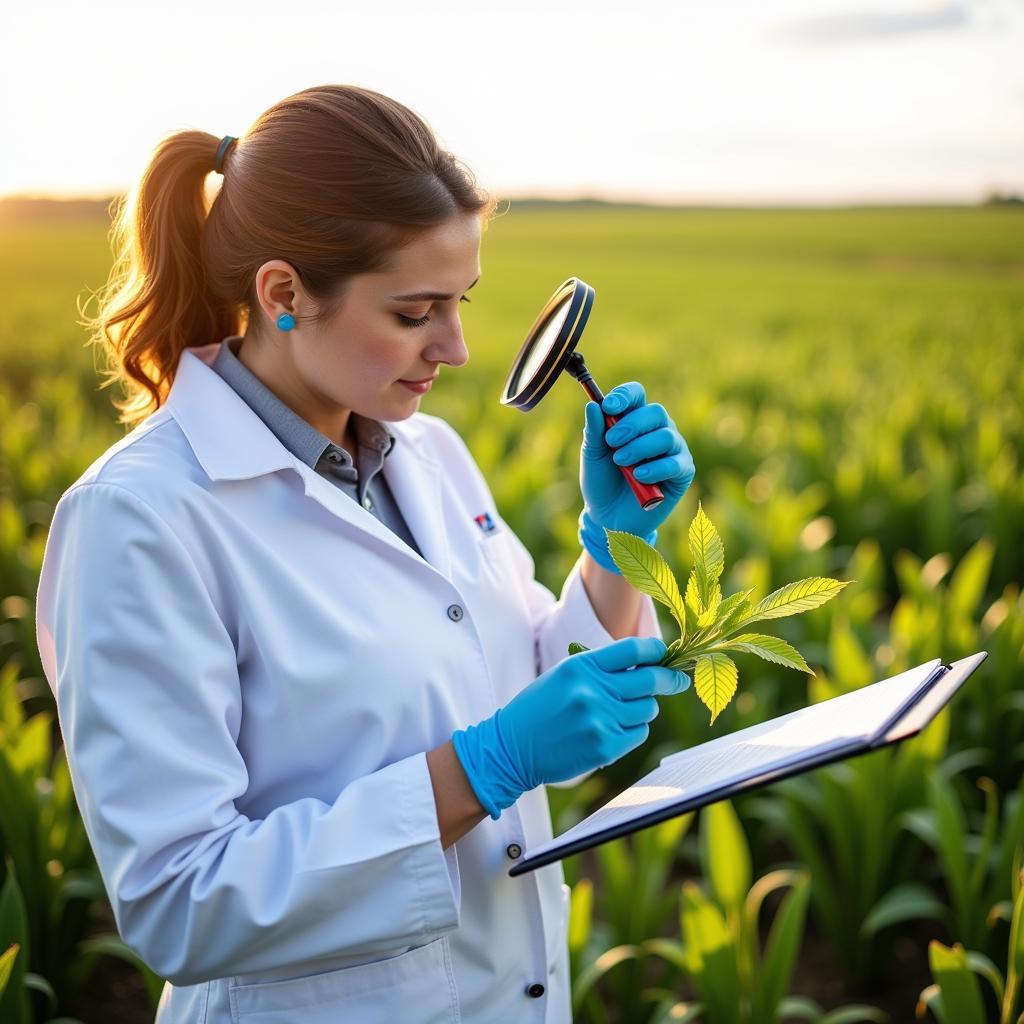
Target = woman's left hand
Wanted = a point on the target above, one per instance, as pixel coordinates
(645, 437)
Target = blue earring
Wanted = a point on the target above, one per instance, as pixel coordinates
(286, 321)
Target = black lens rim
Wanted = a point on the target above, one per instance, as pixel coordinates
(580, 302)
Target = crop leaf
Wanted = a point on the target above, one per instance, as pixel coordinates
(708, 555)
(794, 598)
(644, 567)
(715, 679)
(771, 648)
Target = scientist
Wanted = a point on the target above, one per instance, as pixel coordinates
(308, 686)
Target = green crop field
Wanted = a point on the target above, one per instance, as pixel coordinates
(850, 384)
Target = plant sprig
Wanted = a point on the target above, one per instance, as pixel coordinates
(710, 625)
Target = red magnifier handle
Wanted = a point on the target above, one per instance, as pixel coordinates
(649, 495)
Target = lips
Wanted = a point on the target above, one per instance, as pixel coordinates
(423, 381)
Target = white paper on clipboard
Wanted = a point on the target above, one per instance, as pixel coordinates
(812, 734)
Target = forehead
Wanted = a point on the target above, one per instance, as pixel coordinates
(440, 257)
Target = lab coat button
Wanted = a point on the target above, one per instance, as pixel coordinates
(536, 990)
(514, 850)
(454, 612)
(367, 502)
(334, 457)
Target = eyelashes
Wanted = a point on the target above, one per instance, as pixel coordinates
(407, 321)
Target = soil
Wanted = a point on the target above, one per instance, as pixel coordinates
(114, 994)
(818, 977)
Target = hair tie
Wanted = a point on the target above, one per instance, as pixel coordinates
(222, 149)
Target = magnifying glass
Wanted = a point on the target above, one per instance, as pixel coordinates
(550, 348)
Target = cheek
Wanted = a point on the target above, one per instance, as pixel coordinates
(378, 361)
(388, 359)
(380, 355)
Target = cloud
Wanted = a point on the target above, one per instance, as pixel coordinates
(862, 25)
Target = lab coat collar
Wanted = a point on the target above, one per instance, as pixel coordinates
(232, 443)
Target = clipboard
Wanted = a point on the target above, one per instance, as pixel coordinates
(858, 722)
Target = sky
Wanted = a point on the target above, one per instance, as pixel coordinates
(776, 101)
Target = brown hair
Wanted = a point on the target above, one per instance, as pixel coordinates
(333, 180)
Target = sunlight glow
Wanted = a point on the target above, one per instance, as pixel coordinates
(790, 101)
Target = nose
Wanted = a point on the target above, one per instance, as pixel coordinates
(452, 350)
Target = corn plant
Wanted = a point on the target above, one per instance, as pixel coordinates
(634, 903)
(955, 997)
(942, 607)
(49, 879)
(845, 822)
(719, 954)
(975, 866)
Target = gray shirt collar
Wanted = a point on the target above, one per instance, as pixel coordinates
(303, 440)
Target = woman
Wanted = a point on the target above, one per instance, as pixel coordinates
(308, 685)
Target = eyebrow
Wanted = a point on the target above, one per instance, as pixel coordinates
(424, 296)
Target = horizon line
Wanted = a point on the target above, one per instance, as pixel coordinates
(992, 195)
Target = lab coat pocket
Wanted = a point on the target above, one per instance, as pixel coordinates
(419, 981)
(493, 546)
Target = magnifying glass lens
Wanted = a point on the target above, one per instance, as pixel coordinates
(543, 341)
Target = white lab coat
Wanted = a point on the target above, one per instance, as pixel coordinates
(249, 668)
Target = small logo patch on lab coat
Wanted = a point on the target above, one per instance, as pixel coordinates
(484, 521)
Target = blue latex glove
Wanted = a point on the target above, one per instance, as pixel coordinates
(584, 713)
(644, 434)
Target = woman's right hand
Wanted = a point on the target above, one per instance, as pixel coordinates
(584, 713)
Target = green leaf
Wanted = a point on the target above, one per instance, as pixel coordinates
(909, 901)
(771, 648)
(710, 614)
(856, 1013)
(15, 1007)
(795, 598)
(930, 999)
(708, 554)
(732, 608)
(802, 1007)
(693, 601)
(725, 854)
(951, 822)
(782, 947)
(111, 944)
(37, 983)
(981, 965)
(673, 650)
(961, 995)
(692, 606)
(580, 914)
(593, 973)
(671, 950)
(711, 955)
(575, 648)
(968, 582)
(643, 566)
(7, 965)
(676, 1012)
(715, 679)
(1015, 962)
(852, 666)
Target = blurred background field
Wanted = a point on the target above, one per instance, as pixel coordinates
(850, 384)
